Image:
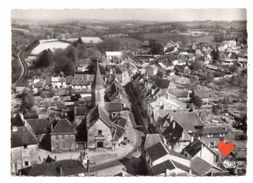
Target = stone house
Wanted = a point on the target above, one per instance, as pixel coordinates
(24, 147)
(198, 149)
(62, 136)
(158, 161)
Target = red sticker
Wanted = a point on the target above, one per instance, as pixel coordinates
(225, 148)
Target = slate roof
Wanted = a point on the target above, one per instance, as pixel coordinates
(214, 130)
(63, 126)
(121, 122)
(98, 113)
(69, 167)
(99, 81)
(200, 166)
(188, 120)
(156, 151)
(22, 136)
(193, 148)
(162, 167)
(181, 166)
(69, 79)
(152, 139)
(162, 83)
(80, 82)
(118, 134)
(39, 84)
(179, 93)
(113, 106)
(39, 126)
(17, 121)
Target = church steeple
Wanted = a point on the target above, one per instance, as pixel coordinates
(99, 88)
(99, 80)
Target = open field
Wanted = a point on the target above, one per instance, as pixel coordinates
(49, 45)
(167, 36)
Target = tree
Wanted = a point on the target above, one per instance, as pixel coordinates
(197, 65)
(156, 48)
(215, 55)
(27, 102)
(196, 101)
(65, 65)
(109, 45)
(45, 58)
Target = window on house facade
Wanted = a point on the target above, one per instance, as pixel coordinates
(25, 146)
(26, 163)
(100, 132)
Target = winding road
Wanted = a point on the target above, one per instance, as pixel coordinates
(23, 65)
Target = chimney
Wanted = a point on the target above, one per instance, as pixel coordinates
(59, 169)
(88, 165)
(190, 171)
(192, 139)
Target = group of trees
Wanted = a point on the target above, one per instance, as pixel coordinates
(156, 48)
(62, 60)
(109, 45)
(205, 76)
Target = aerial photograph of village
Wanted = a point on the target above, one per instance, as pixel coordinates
(128, 92)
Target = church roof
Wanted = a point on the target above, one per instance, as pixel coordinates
(99, 80)
(98, 113)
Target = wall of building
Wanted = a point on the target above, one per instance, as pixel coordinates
(206, 155)
(63, 142)
(23, 157)
(93, 135)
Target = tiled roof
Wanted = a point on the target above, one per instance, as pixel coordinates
(152, 139)
(39, 126)
(69, 167)
(188, 120)
(63, 126)
(162, 167)
(156, 151)
(22, 136)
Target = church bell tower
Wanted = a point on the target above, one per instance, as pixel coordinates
(99, 89)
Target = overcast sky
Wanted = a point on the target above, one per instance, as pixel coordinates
(133, 14)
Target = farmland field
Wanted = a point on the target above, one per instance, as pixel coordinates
(167, 36)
